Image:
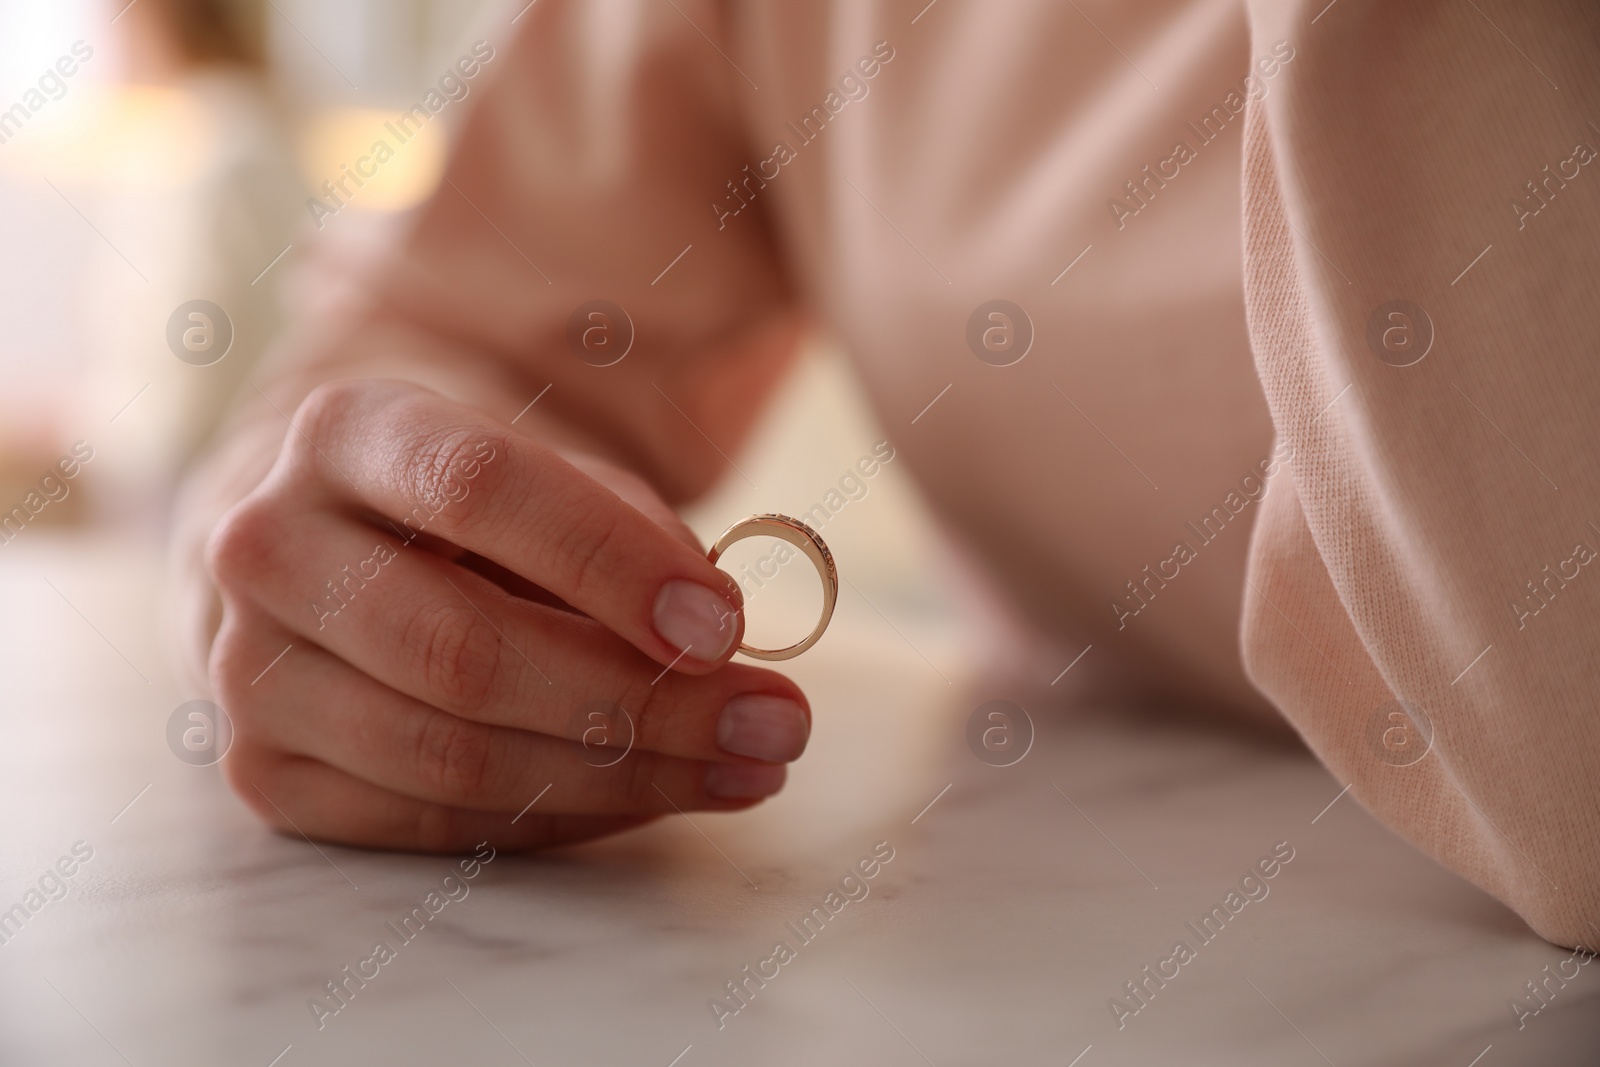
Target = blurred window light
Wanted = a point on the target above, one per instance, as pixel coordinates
(116, 136)
(341, 151)
(34, 33)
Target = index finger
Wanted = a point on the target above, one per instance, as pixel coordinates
(431, 465)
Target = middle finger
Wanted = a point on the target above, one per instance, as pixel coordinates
(454, 640)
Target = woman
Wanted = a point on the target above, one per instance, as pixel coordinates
(1039, 207)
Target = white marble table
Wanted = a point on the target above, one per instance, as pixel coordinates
(1007, 919)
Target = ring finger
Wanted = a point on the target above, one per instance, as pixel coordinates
(316, 705)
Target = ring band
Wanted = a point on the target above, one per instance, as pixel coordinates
(806, 540)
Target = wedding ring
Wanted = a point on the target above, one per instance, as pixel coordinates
(806, 540)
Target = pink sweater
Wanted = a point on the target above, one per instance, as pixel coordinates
(1418, 281)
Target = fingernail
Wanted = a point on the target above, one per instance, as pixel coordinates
(741, 781)
(695, 620)
(763, 727)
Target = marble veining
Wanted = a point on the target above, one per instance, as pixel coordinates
(1014, 910)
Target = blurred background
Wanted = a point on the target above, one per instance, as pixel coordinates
(161, 153)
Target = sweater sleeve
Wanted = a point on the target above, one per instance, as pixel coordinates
(1422, 245)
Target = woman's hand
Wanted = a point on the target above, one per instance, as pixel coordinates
(470, 619)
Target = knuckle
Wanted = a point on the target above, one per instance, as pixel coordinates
(454, 756)
(325, 410)
(449, 476)
(582, 549)
(227, 667)
(651, 708)
(242, 543)
(462, 656)
(638, 786)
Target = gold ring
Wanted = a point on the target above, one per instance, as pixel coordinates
(806, 540)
